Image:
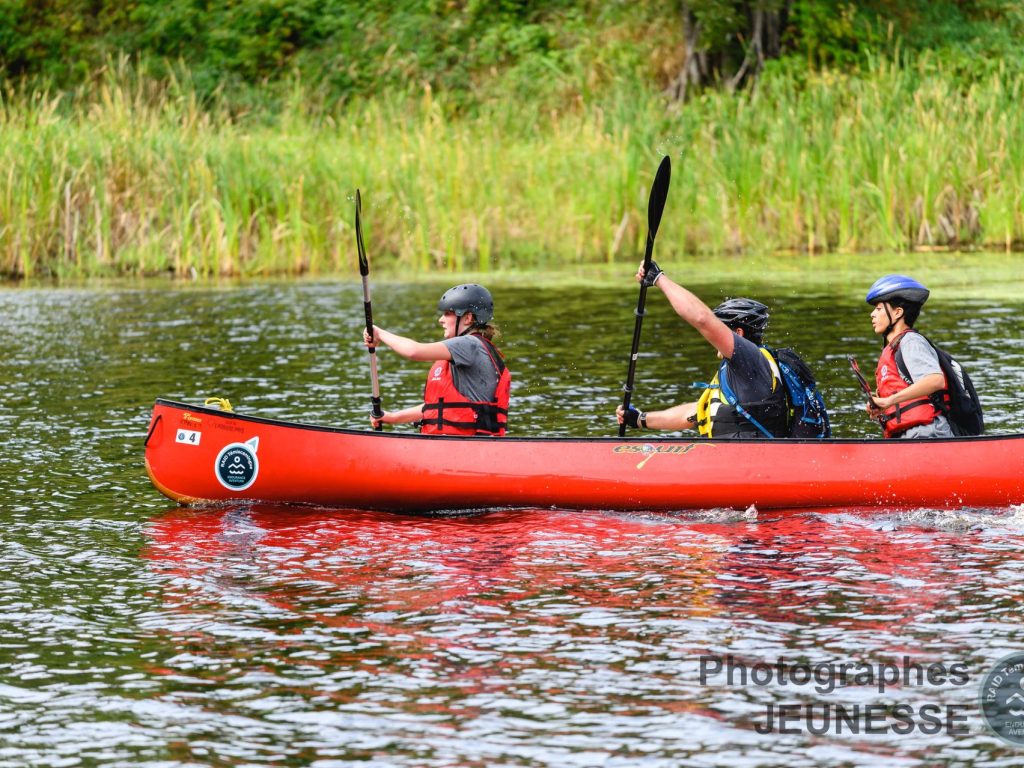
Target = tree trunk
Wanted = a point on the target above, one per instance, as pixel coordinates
(695, 64)
(753, 60)
(757, 38)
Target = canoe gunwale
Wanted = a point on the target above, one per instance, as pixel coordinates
(199, 454)
(646, 438)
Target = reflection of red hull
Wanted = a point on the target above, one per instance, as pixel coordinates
(196, 454)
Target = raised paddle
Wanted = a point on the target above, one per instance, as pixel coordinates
(655, 207)
(364, 270)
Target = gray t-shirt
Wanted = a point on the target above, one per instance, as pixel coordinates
(921, 360)
(472, 367)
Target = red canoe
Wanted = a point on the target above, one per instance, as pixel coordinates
(198, 455)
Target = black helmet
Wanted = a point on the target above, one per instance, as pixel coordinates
(469, 297)
(890, 287)
(750, 315)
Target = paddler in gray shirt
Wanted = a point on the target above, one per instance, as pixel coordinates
(467, 390)
(908, 373)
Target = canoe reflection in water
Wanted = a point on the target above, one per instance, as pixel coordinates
(708, 561)
(357, 605)
(390, 562)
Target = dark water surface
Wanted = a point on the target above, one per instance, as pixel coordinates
(133, 632)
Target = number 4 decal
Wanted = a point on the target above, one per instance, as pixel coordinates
(188, 437)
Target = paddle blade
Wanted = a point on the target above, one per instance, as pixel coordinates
(860, 376)
(364, 265)
(659, 193)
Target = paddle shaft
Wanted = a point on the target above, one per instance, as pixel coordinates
(655, 207)
(860, 377)
(863, 384)
(627, 389)
(364, 270)
(374, 379)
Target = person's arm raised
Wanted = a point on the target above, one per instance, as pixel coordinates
(699, 315)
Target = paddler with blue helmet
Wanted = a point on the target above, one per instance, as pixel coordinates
(468, 385)
(908, 375)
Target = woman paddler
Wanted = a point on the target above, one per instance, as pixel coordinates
(468, 385)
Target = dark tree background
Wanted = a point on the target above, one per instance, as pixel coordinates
(358, 48)
(728, 42)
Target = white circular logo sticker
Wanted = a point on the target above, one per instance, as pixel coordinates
(237, 466)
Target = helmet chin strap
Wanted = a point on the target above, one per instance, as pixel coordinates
(892, 323)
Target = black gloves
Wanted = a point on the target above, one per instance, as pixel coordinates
(634, 419)
(652, 274)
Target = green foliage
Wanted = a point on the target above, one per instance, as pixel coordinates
(135, 176)
(248, 53)
(494, 133)
(972, 33)
(830, 34)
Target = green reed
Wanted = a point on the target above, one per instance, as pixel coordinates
(133, 176)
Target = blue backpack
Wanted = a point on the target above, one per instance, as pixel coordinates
(808, 416)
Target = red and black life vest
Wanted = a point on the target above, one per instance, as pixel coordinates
(891, 379)
(446, 411)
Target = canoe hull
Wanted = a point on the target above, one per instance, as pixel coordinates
(201, 455)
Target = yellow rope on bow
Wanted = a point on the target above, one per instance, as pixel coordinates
(220, 402)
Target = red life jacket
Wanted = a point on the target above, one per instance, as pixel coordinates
(446, 411)
(891, 379)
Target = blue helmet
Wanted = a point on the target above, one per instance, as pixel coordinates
(897, 287)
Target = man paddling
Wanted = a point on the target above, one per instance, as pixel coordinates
(467, 391)
(746, 398)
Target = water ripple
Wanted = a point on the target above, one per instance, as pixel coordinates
(133, 634)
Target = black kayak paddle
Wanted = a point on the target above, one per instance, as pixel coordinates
(364, 270)
(655, 207)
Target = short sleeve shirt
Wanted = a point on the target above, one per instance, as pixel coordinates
(921, 360)
(749, 372)
(918, 356)
(473, 368)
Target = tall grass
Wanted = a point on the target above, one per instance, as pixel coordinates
(133, 176)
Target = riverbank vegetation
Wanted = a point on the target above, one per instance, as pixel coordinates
(530, 148)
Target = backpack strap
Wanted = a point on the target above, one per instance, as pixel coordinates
(731, 399)
(936, 398)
